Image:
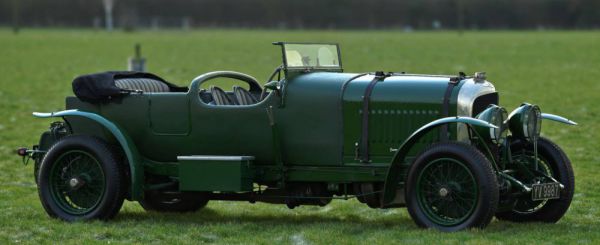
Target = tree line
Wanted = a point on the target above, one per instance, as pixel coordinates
(307, 14)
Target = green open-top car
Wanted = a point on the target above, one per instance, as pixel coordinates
(439, 145)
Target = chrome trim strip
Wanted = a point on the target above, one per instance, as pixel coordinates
(467, 94)
(215, 158)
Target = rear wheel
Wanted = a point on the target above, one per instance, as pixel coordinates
(551, 161)
(81, 179)
(172, 201)
(451, 186)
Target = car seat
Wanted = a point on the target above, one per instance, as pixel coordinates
(219, 96)
(243, 97)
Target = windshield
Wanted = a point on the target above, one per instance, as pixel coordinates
(312, 55)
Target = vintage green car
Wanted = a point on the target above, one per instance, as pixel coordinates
(439, 145)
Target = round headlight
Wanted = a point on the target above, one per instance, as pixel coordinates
(534, 123)
(526, 122)
(495, 115)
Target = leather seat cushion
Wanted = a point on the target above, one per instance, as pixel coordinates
(243, 97)
(219, 96)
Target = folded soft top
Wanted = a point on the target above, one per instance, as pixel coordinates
(101, 87)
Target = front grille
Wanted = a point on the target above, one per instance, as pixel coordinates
(483, 101)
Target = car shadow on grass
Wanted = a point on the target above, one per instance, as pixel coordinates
(215, 217)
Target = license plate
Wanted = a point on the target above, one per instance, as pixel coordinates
(545, 191)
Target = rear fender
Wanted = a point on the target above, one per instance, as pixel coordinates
(128, 146)
(393, 175)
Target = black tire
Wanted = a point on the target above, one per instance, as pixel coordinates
(175, 202)
(552, 210)
(111, 182)
(448, 196)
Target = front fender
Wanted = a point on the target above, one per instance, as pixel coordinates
(557, 118)
(393, 175)
(136, 170)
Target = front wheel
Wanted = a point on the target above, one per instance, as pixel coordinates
(551, 161)
(451, 186)
(81, 179)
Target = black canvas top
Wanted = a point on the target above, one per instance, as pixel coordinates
(100, 87)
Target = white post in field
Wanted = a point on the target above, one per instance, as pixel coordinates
(137, 63)
(108, 12)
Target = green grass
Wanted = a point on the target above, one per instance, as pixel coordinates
(557, 70)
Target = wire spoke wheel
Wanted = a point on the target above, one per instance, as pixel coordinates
(451, 186)
(525, 205)
(551, 161)
(77, 182)
(81, 179)
(446, 191)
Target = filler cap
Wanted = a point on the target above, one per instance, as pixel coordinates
(479, 76)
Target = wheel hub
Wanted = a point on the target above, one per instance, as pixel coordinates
(444, 192)
(76, 183)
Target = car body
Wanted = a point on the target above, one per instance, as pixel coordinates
(439, 145)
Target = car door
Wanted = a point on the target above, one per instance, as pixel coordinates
(233, 129)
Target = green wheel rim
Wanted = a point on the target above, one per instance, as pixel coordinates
(525, 205)
(447, 191)
(77, 182)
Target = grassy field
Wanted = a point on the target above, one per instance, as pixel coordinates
(556, 70)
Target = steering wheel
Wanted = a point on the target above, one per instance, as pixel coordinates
(251, 81)
(277, 71)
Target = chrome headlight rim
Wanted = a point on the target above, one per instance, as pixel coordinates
(495, 115)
